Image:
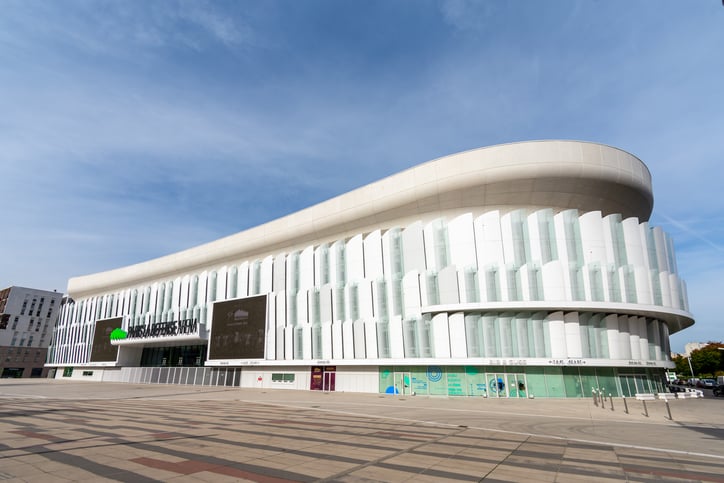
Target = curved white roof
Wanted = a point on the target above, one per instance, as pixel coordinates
(536, 174)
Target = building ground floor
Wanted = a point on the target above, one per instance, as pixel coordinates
(486, 381)
(18, 362)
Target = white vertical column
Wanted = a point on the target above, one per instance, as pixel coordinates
(488, 239)
(337, 340)
(397, 349)
(462, 241)
(325, 303)
(447, 282)
(458, 339)
(538, 334)
(413, 248)
(354, 258)
(534, 236)
(306, 268)
(658, 343)
(348, 339)
(391, 257)
(573, 335)
(411, 294)
(614, 347)
(302, 300)
(440, 334)
(642, 330)
(242, 285)
(634, 339)
(492, 345)
(373, 255)
(289, 343)
(279, 273)
(635, 247)
(306, 341)
(557, 333)
(358, 330)
(221, 277)
(271, 328)
(327, 340)
(370, 338)
(521, 322)
(506, 233)
(506, 334)
(436, 249)
(364, 291)
(321, 265)
(554, 285)
(661, 249)
(624, 335)
(183, 296)
(592, 238)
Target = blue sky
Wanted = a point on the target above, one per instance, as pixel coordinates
(134, 129)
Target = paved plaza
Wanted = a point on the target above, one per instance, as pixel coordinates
(74, 431)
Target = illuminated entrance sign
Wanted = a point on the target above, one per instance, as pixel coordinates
(164, 329)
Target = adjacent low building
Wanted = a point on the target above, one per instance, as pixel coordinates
(27, 318)
(519, 270)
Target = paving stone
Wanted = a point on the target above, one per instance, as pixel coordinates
(169, 433)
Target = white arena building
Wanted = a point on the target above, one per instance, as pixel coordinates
(519, 270)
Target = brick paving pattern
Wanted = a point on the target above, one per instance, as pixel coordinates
(139, 439)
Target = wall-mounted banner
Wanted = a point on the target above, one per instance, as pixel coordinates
(238, 329)
(102, 350)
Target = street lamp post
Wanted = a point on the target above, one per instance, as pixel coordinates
(688, 358)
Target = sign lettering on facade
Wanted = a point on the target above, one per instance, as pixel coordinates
(164, 329)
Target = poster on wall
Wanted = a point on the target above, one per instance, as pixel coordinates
(238, 329)
(102, 350)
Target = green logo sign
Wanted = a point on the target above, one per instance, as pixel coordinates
(118, 334)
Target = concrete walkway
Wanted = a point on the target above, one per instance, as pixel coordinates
(82, 431)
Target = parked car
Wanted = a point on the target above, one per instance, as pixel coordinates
(718, 390)
(706, 383)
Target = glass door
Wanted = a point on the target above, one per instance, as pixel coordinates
(517, 386)
(497, 386)
(328, 382)
(402, 383)
(632, 384)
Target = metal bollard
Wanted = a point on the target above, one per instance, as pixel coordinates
(646, 411)
(595, 398)
(610, 399)
(668, 409)
(603, 399)
(625, 405)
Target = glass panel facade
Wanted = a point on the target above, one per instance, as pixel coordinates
(555, 386)
(176, 356)
(572, 382)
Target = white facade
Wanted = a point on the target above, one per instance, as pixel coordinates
(515, 259)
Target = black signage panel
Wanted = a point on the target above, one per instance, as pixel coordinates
(102, 350)
(238, 329)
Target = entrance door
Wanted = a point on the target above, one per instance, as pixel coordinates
(497, 385)
(517, 386)
(323, 378)
(402, 383)
(328, 382)
(634, 384)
